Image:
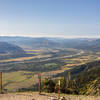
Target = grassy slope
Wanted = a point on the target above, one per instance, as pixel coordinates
(19, 79)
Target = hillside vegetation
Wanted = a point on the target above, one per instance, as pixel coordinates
(89, 82)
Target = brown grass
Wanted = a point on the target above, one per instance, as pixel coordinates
(26, 58)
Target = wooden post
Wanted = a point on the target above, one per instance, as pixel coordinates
(0, 82)
(59, 89)
(39, 86)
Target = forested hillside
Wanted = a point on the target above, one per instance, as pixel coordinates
(6, 48)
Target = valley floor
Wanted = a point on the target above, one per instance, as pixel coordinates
(35, 96)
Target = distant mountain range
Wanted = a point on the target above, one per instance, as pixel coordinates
(27, 42)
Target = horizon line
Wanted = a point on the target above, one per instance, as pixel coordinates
(52, 36)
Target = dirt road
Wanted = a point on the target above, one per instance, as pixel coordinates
(35, 96)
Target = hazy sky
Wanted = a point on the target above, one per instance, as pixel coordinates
(50, 17)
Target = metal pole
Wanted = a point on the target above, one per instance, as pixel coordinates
(59, 89)
(39, 87)
(0, 82)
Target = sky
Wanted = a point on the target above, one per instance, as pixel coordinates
(50, 18)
